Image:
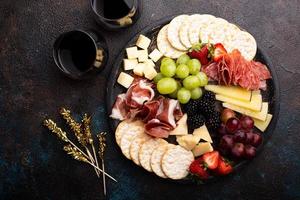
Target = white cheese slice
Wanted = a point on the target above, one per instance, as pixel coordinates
(187, 141)
(202, 133)
(155, 55)
(263, 125)
(149, 72)
(132, 52)
(143, 42)
(142, 55)
(202, 148)
(181, 128)
(129, 64)
(139, 69)
(125, 79)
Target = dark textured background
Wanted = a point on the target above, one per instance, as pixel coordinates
(32, 164)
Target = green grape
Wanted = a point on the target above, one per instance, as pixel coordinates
(183, 59)
(166, 85)
(158, 77)
(196, 93)
(203, 78)
(191, 82)
(166, 60)
(168, 67)
(194, 66)
(183, 95)
(173, 95)
(182, 71)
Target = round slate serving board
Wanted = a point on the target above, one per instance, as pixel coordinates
(272, 94)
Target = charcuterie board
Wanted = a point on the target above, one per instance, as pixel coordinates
(163, 154)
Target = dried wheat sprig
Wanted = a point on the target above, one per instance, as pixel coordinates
(86, 121)
(102, 146)
(51, 125)
(77, 155)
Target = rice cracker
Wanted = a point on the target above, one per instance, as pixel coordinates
(146, 151)
(135, 147)
(176, 161)
(173, 32)
(127, 126)
(164, 45)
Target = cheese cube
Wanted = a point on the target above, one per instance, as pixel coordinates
(132, 52)
(181, 128)
(142, 55)
(129, 64)
(149, 72)
(139, 69)
(149, 63)
(155, 55)
(263, 125)
(143, 42)
(202, 148)
(202, 133)
(187, 141)
(125, 79)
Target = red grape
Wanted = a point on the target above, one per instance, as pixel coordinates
(226, 143)
(232, 125)
(250, 151)
(227, 114)
(222, 130)
(257, 139)
(249, 137)
(247, 122)
(238, 150)
(240, 136)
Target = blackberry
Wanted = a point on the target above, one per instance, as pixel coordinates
(192, 107)
(195, 121)
(209, 96)
(206, 107)
(213, 120)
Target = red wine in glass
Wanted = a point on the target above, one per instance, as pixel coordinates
(116, 14)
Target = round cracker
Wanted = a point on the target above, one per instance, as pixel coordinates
(176, 162)
(215, 32)
(184, 33)
(164, 45)
(156, 157)
(126, 126)
(146, 151)
(245, 43)
(135, 147)
(173, 32)
(127, 139)
(198, 22)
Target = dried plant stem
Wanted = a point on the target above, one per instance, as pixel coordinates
(102, 146)
(102, 171)
(95, 156)
(103, 178)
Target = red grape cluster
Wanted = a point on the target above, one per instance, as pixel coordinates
(238, 138)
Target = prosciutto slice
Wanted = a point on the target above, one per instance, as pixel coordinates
(119, 110)
(156, 128)
(234, 69)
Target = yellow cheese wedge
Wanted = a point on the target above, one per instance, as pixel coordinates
(202, 133)
(230, 91)
(202, 148)
(263, 125)
(255, 103)
(187, 141)
(261, 115)
(181, 128)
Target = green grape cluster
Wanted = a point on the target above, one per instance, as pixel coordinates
(182, 79)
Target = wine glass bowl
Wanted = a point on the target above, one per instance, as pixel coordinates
(116, 14)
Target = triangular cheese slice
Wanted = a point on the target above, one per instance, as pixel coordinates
(181, 128)
(203, 134)
(187, 141)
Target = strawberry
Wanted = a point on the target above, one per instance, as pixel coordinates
(200, 53)
(219, 52)
(224, 167)
(211, 159)
(197, 167)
